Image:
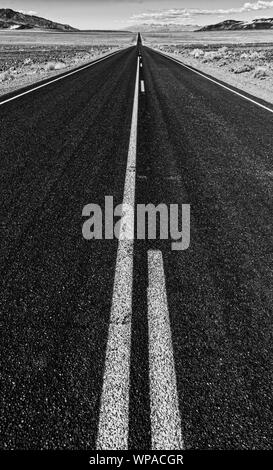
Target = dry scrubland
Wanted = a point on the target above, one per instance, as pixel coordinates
(241, 63)
(29, 57)
(243, 59)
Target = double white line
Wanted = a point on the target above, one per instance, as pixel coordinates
(165, 416)
(114, 412)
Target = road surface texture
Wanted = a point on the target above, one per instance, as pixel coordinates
(198, 341)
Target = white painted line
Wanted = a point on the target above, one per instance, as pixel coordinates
(58, 78)
(142, 86)
(114, 411)
(215, 81)
(165, 415)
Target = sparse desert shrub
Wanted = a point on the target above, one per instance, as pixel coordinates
(197, 53)
(6, 76)
(222, 63)
(27, 61)
(223, 50)
(59, 65)
(244, 56)
(243, 69)
(210, 56)
(256, 55)
(50, 66)
(261, 73)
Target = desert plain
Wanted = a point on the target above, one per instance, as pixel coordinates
(243, 59)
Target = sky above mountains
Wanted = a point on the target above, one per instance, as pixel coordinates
(120, 14)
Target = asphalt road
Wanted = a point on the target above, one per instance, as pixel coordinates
(66, 145)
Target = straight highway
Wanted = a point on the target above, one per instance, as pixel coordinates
(127, 344)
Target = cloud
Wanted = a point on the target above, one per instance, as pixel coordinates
(260, 5)
(180, 15)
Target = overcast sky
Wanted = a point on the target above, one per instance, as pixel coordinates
(114, 14)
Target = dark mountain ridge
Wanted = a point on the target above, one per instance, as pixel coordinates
(11, 19)
(235, 25)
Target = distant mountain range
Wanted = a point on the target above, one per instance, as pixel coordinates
(10, 19)
(233, 25)
(15, 20)
(162, 28)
